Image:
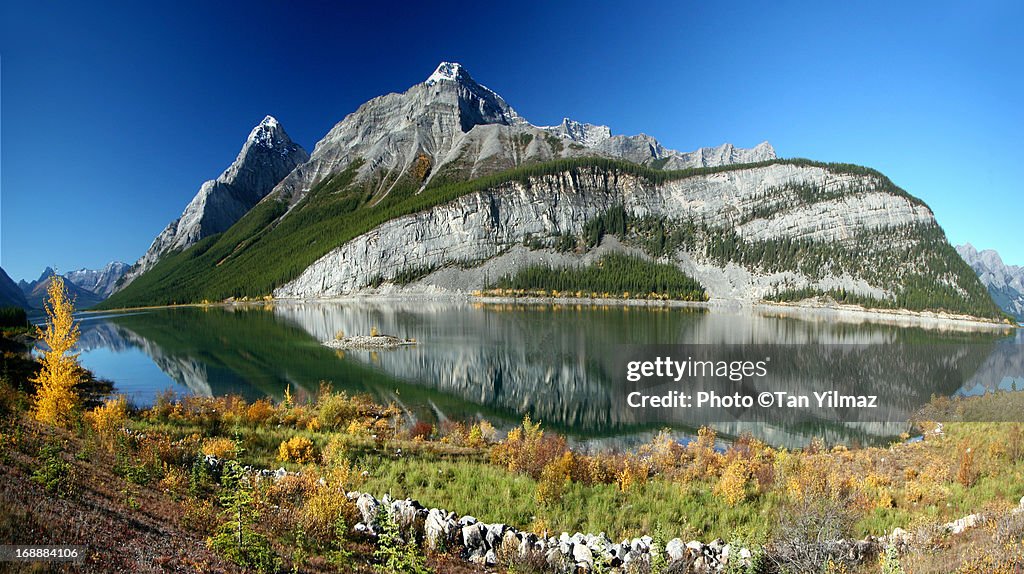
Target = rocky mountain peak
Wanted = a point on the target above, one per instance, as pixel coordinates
(765, 151)
(450, 71)
(269, 136)
(266, 157)
(586, 134)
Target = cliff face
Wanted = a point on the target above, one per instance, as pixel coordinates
(491, 227)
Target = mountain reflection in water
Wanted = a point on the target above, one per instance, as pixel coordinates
(560, 364)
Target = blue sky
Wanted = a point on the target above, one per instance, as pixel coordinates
(111, 117)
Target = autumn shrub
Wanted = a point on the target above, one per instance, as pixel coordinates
(297, 416)
(336, 451)
(220, 447)
(383, 430)
(260, 412)
(663, 451)
(553, 479)
(198, 514)
(704, 460)
(634, 473)
(453, 432)
(528, 449)
(967, 473)
(358, 428)
(421, 430)
(174, 481)
(108, 419)
(732, 485)
(336, 410)
(297, 449)
(320, 514)
(475, 437)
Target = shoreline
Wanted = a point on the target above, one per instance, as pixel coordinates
(802, 311)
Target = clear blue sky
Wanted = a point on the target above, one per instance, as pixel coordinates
(111, 117)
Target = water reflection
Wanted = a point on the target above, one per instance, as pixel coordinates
(559, 364)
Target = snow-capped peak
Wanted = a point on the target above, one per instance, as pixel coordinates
(451, 71)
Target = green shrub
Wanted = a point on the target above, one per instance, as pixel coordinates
(54, 473)
(236, 538)
(395, 555)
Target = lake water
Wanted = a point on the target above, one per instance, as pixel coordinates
(564, 365)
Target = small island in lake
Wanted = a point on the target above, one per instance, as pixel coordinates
(371, 341)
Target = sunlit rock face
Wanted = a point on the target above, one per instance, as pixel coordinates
(483, 227)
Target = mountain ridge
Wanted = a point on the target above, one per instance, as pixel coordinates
(103, 281)
(35, 292)
(1005, 283)
(11, 294)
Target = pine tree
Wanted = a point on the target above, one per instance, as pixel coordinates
(56, 398)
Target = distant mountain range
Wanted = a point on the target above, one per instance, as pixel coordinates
(445, 187)
(87, 286)
(99, 281)
(1004, 282)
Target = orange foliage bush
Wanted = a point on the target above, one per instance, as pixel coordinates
(297, 449)
(528, 449)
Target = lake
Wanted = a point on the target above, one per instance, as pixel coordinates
(564, 365)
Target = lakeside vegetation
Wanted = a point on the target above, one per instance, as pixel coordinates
(615, 274)
(189, 459)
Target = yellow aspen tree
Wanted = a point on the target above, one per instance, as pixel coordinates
(56, 398)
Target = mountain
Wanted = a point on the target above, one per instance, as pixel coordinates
(446, 187)
(266, 157)
(451, 128)
(1004, 282)
(35, 292)
(10, 293)
(99, 281)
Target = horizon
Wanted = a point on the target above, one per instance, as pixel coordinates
(930, 105)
